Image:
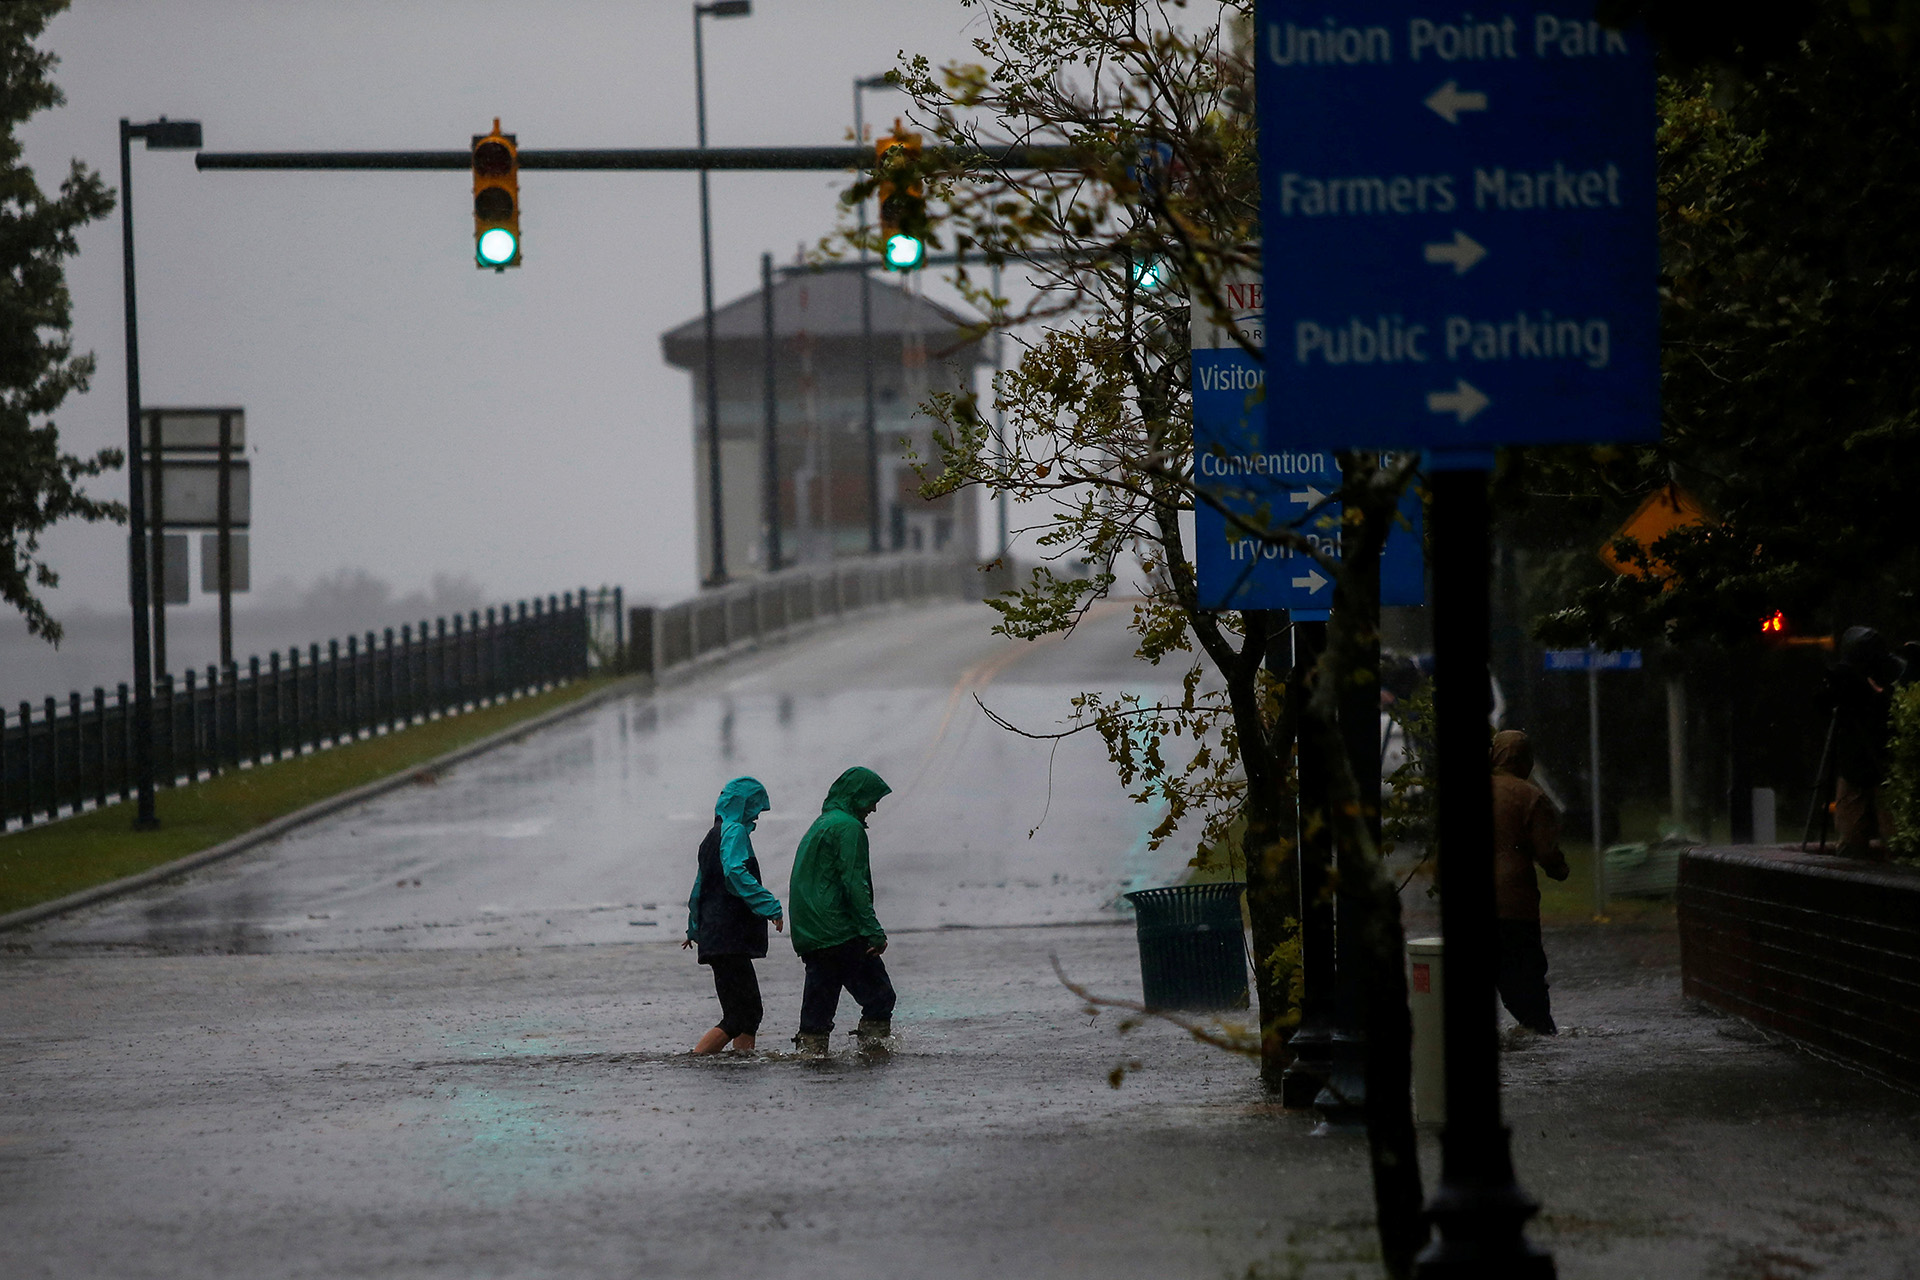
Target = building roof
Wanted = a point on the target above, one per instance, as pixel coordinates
(825, 304)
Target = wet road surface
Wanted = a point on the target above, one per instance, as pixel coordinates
(586, 832)
(295, 1064)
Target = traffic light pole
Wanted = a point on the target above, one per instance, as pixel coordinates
(144, 818)
(868, 417)
(718, 573)
(772, 449)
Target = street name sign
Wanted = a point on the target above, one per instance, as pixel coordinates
(1459, 225)
(1241, 463)
(1593, 660)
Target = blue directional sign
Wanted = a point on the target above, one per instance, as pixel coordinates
(1459, 224)
(1240, 468)
(1235, 469)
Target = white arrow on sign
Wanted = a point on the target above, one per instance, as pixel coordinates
(1463, 252)
(1312, 582)
(1465, 401)
(1309, 496)
(1448, 102)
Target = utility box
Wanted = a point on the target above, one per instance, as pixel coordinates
(1426, 993)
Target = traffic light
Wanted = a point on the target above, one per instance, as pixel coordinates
(496, 200)
(903, 204)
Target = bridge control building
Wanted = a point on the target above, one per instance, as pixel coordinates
(919, 347)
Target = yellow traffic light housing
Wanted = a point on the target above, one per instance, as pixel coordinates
(903, 202)
(496, 200)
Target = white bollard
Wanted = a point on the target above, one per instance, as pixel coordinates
(1766, 818)
(1426, 993)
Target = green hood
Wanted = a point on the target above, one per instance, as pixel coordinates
(856, 792)
(743, 800)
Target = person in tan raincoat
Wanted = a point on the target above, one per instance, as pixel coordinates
(1526, 833)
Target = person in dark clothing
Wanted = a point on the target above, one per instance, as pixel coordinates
(1861, 684)
(834, 929)
(728, 912)
(1526, 831)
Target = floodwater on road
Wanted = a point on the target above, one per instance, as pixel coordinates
(444, 1035)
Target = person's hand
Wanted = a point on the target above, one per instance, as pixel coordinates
(1559, 871)
(779, 924)
(687, 945)
(880, 949)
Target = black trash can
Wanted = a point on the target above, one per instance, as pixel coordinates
(1193, 953)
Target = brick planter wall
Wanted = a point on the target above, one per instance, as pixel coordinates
(1820, 948)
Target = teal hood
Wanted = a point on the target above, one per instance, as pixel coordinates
(856, 792)
(741, 801)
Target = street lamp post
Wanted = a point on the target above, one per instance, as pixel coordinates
(860, 86)
(161, 134)
(716, 9)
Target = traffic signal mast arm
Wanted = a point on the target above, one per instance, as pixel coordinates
(648, 159)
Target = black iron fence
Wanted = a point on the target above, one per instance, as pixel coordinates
(67, 758)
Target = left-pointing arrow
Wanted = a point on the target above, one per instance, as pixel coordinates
(1465, 401)
(1448, 102)
(1463, 252)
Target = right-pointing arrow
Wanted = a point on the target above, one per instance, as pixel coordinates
(1312, 582)
(1463, 252)
(1448, 102)
(1309, 495)
(1464, 401)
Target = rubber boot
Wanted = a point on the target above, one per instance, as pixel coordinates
(811, 1044)
(872, 1030)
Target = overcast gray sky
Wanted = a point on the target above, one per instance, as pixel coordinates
(408, 412)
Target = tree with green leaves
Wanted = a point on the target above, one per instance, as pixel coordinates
(1789, 168)
(1148, 208)
(39, 484)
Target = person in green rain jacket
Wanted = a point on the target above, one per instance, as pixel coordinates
(728, 912)
(834, 929)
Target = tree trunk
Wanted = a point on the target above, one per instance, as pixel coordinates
(1273, 886)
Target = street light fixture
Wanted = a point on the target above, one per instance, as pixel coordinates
(160, 135)
(715, 9)
(860, 86)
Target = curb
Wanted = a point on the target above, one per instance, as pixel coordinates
(315, 811)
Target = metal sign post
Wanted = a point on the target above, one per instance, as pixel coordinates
(1593, 662)
(199, 483)
(1460, 253)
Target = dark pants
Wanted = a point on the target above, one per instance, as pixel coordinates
(739, 991)
(1523, 975)
(847, 965)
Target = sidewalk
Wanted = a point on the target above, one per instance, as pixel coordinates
(531, 1112)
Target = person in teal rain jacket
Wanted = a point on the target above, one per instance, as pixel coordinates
(728, 911)
(834, 929)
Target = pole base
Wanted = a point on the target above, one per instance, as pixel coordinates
(1480, 1220)
(1342, 1104)
(1312, 1049)
(1454, 1260)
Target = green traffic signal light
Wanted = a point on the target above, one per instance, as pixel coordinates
(904, 252)
(496, 247)
(1152, 272)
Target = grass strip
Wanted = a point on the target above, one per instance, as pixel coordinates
(42, 863)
